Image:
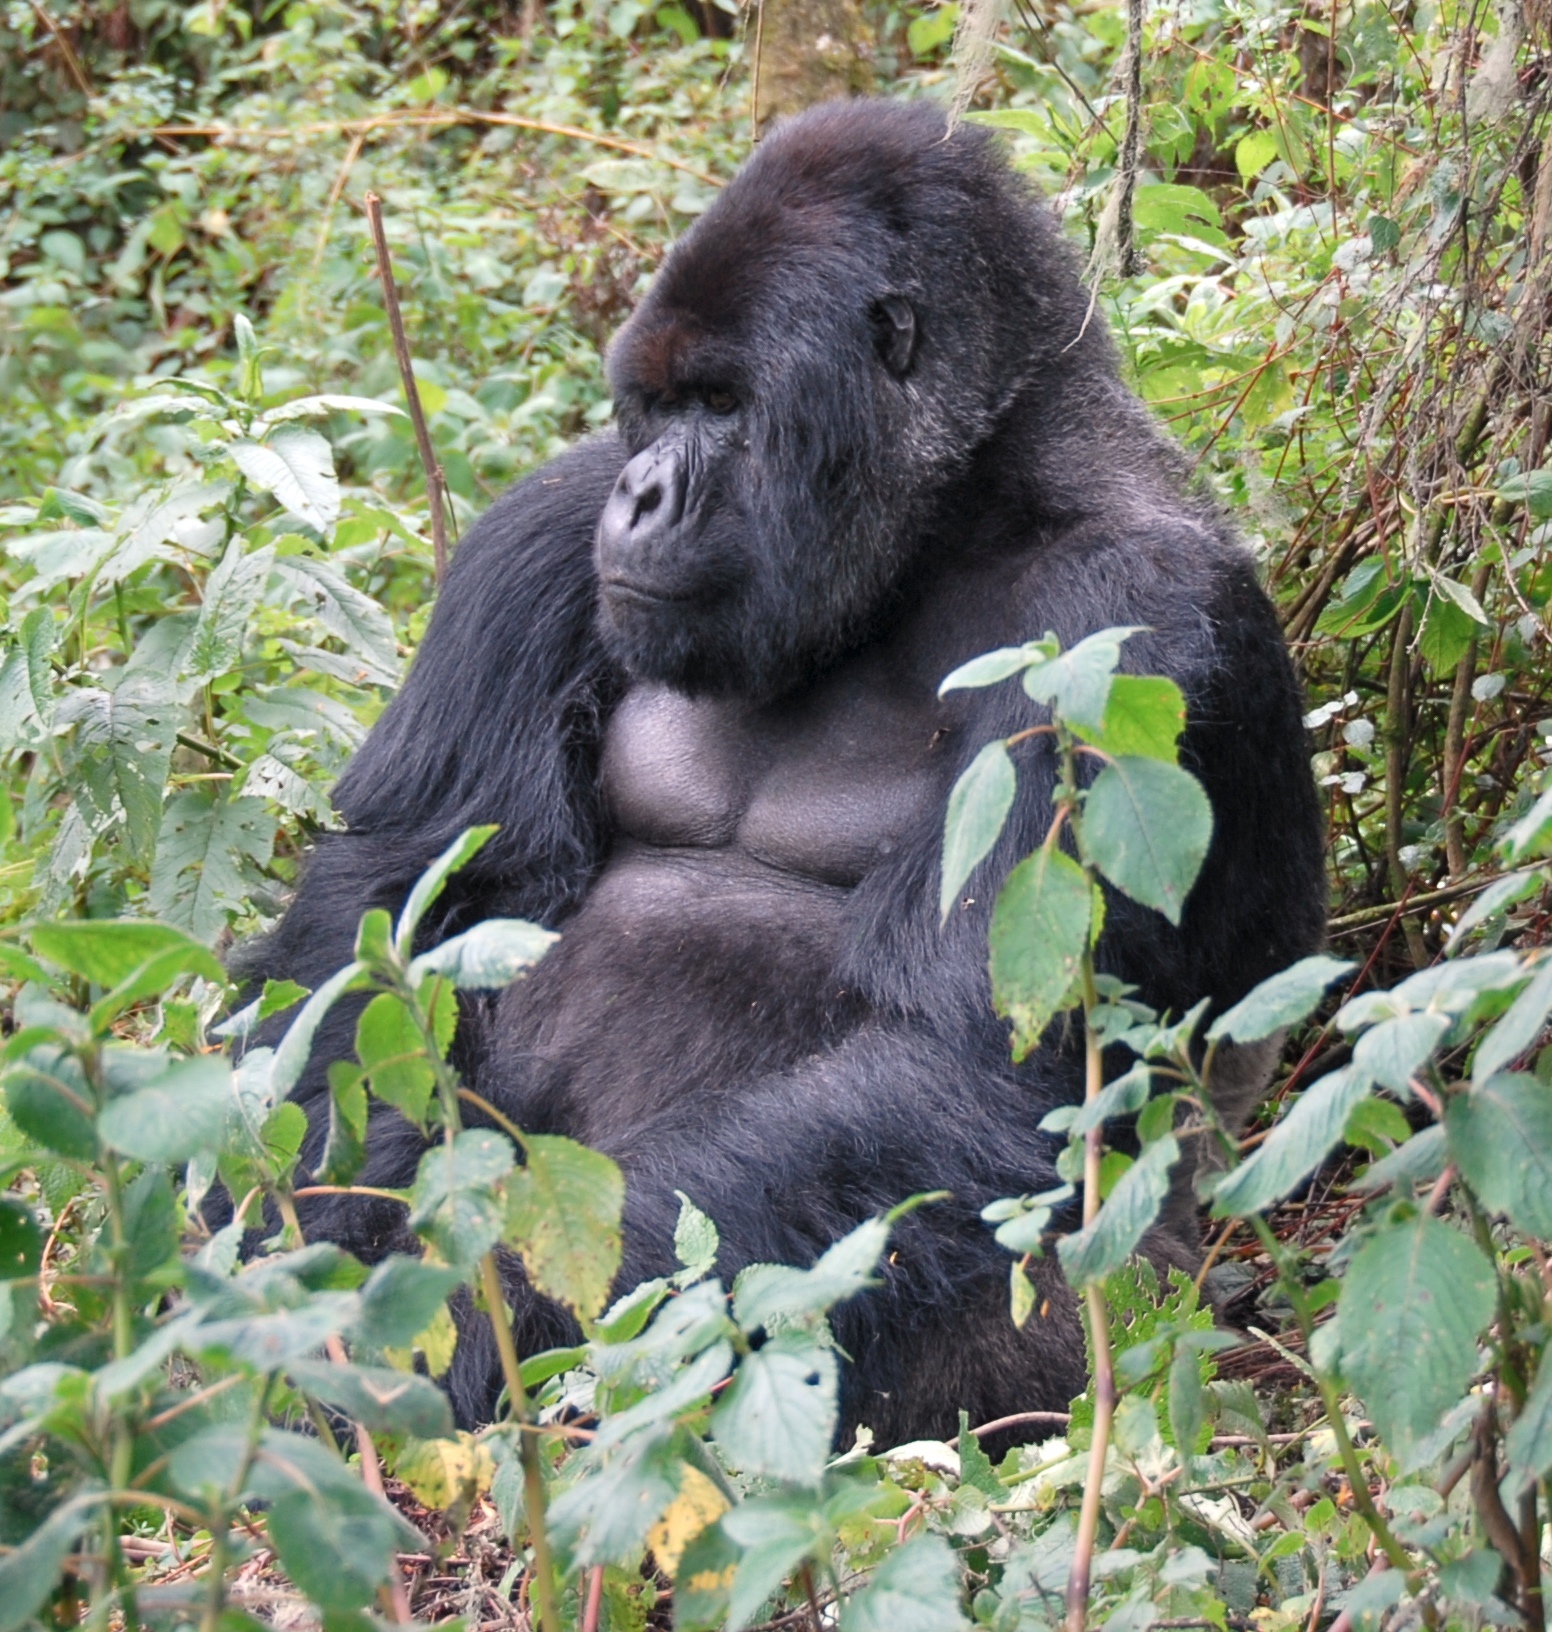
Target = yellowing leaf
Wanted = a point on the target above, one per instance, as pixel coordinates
(698, 1504)
(443, 1471)
(436, 1344)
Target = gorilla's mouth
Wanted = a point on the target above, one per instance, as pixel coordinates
(628, 589)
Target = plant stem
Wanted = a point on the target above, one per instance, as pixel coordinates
(1099, 1326)
(527, 1444)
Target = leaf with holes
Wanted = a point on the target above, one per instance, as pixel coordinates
(778, 1418)
(208, 858)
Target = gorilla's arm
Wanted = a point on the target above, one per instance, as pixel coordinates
(499, 721)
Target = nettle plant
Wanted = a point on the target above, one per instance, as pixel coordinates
(1432, 1312)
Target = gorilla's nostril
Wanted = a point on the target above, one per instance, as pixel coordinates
(646, 503)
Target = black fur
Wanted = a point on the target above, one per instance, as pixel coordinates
(868, 428)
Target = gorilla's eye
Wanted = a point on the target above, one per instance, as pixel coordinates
(721, 402)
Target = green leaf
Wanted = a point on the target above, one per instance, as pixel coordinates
(563, 1216)
(297, 467)
(932, 29)
(778, 1418)
(1414, 1301)
(336, 1544)
(1146, 827)
(232, 594)
(152, 1224)
(378, 1397)
(977, 809)
(1394, 1051)
(609, 1516)
(1530, 1439)
(776, 1534)
(1297, 1146)
(1096, 1251)
(208, 857)
(1384, 234)
(769, 1294)
(393, 1053)
(354, 619)
(49, 1100)
(330, 402)
(1282, 1000)
(21, 1239)
(116, 761)
(1533, 489)
(433, 881)
(1253, 153)
(109, 951)
(696, 1241)
(400, 1299)
(1077, 683)
(1518, 1029)
(1500, 1137)
(1495, 900)
(916, 1589)
(290, 1059)
(491, 955)
(989, 668)
(454, 1203)
(1039, 929)
(172, 1118)
(30, 1572)
(1144, 718)
(344, 1150)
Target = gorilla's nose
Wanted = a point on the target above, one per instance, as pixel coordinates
(646, 505)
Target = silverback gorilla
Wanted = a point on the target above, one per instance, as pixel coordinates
(867, 428)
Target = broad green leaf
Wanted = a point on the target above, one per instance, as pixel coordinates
(378, 1397)
(455, 1203)
(433, 881)
(977, 809)
(1532, 834)
(1296, 1147)
(766, 1294)
(290, 1059)
(696, 1241)
(1394, 1051)
(30, 1572)
(1500, 1137)
(1039, 929)
(487, 957)
(1146, 827)
(393, 1053)
(776, 1534)
(1533, 489)
(1076, 684)
(609, 1515)
(563, 1216)
(1414, 1301)
(988, 669)
(400, 1299)
(108, 951)
(1143, 718)
(21, 1239)
(1518, 1028)
(778, 1418)
(232, 594)
(116, 761)
(297, 467)
(1284, 999)
(344, 1149)
(1253, 153)
(48, 1098)
(327, 403)
(152, 1223)
(208, 859)
(1497, 898)
(916, 1589)
(172, 1118)
(1530, 1439)
(355, 619)
(336, 1544)
(1103, 1246)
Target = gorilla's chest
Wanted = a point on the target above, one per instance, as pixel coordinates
(822, 786)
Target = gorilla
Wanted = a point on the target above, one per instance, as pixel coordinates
(867, 426)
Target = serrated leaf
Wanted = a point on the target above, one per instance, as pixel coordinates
(1077, 684)
(400, 1299)
(1500, 1137)
(378, 1397)
(699, 1504)
(174, 1117)
(232, 593)
(563, 1217)
(48, 1098)
(917, 1588)
(1146, 827)
(769, 1293)
(393, 1054)
(487, 957)
(455, 1203)
(1296, 1147)
(1497, 898)
(30, 1572)
(344, 1149)
(778, 1418)
(336, 1544)
(1130, 1209)
(297, 467)
(1414, 1301)
(1039, 929)
(116, 761)
(977, 810)
(1284, 999)
(352, 617)
(208, 857)
(1143, 718)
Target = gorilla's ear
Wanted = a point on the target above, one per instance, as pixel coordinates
(894, 333)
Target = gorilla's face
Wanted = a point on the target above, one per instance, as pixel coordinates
(803, 380)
